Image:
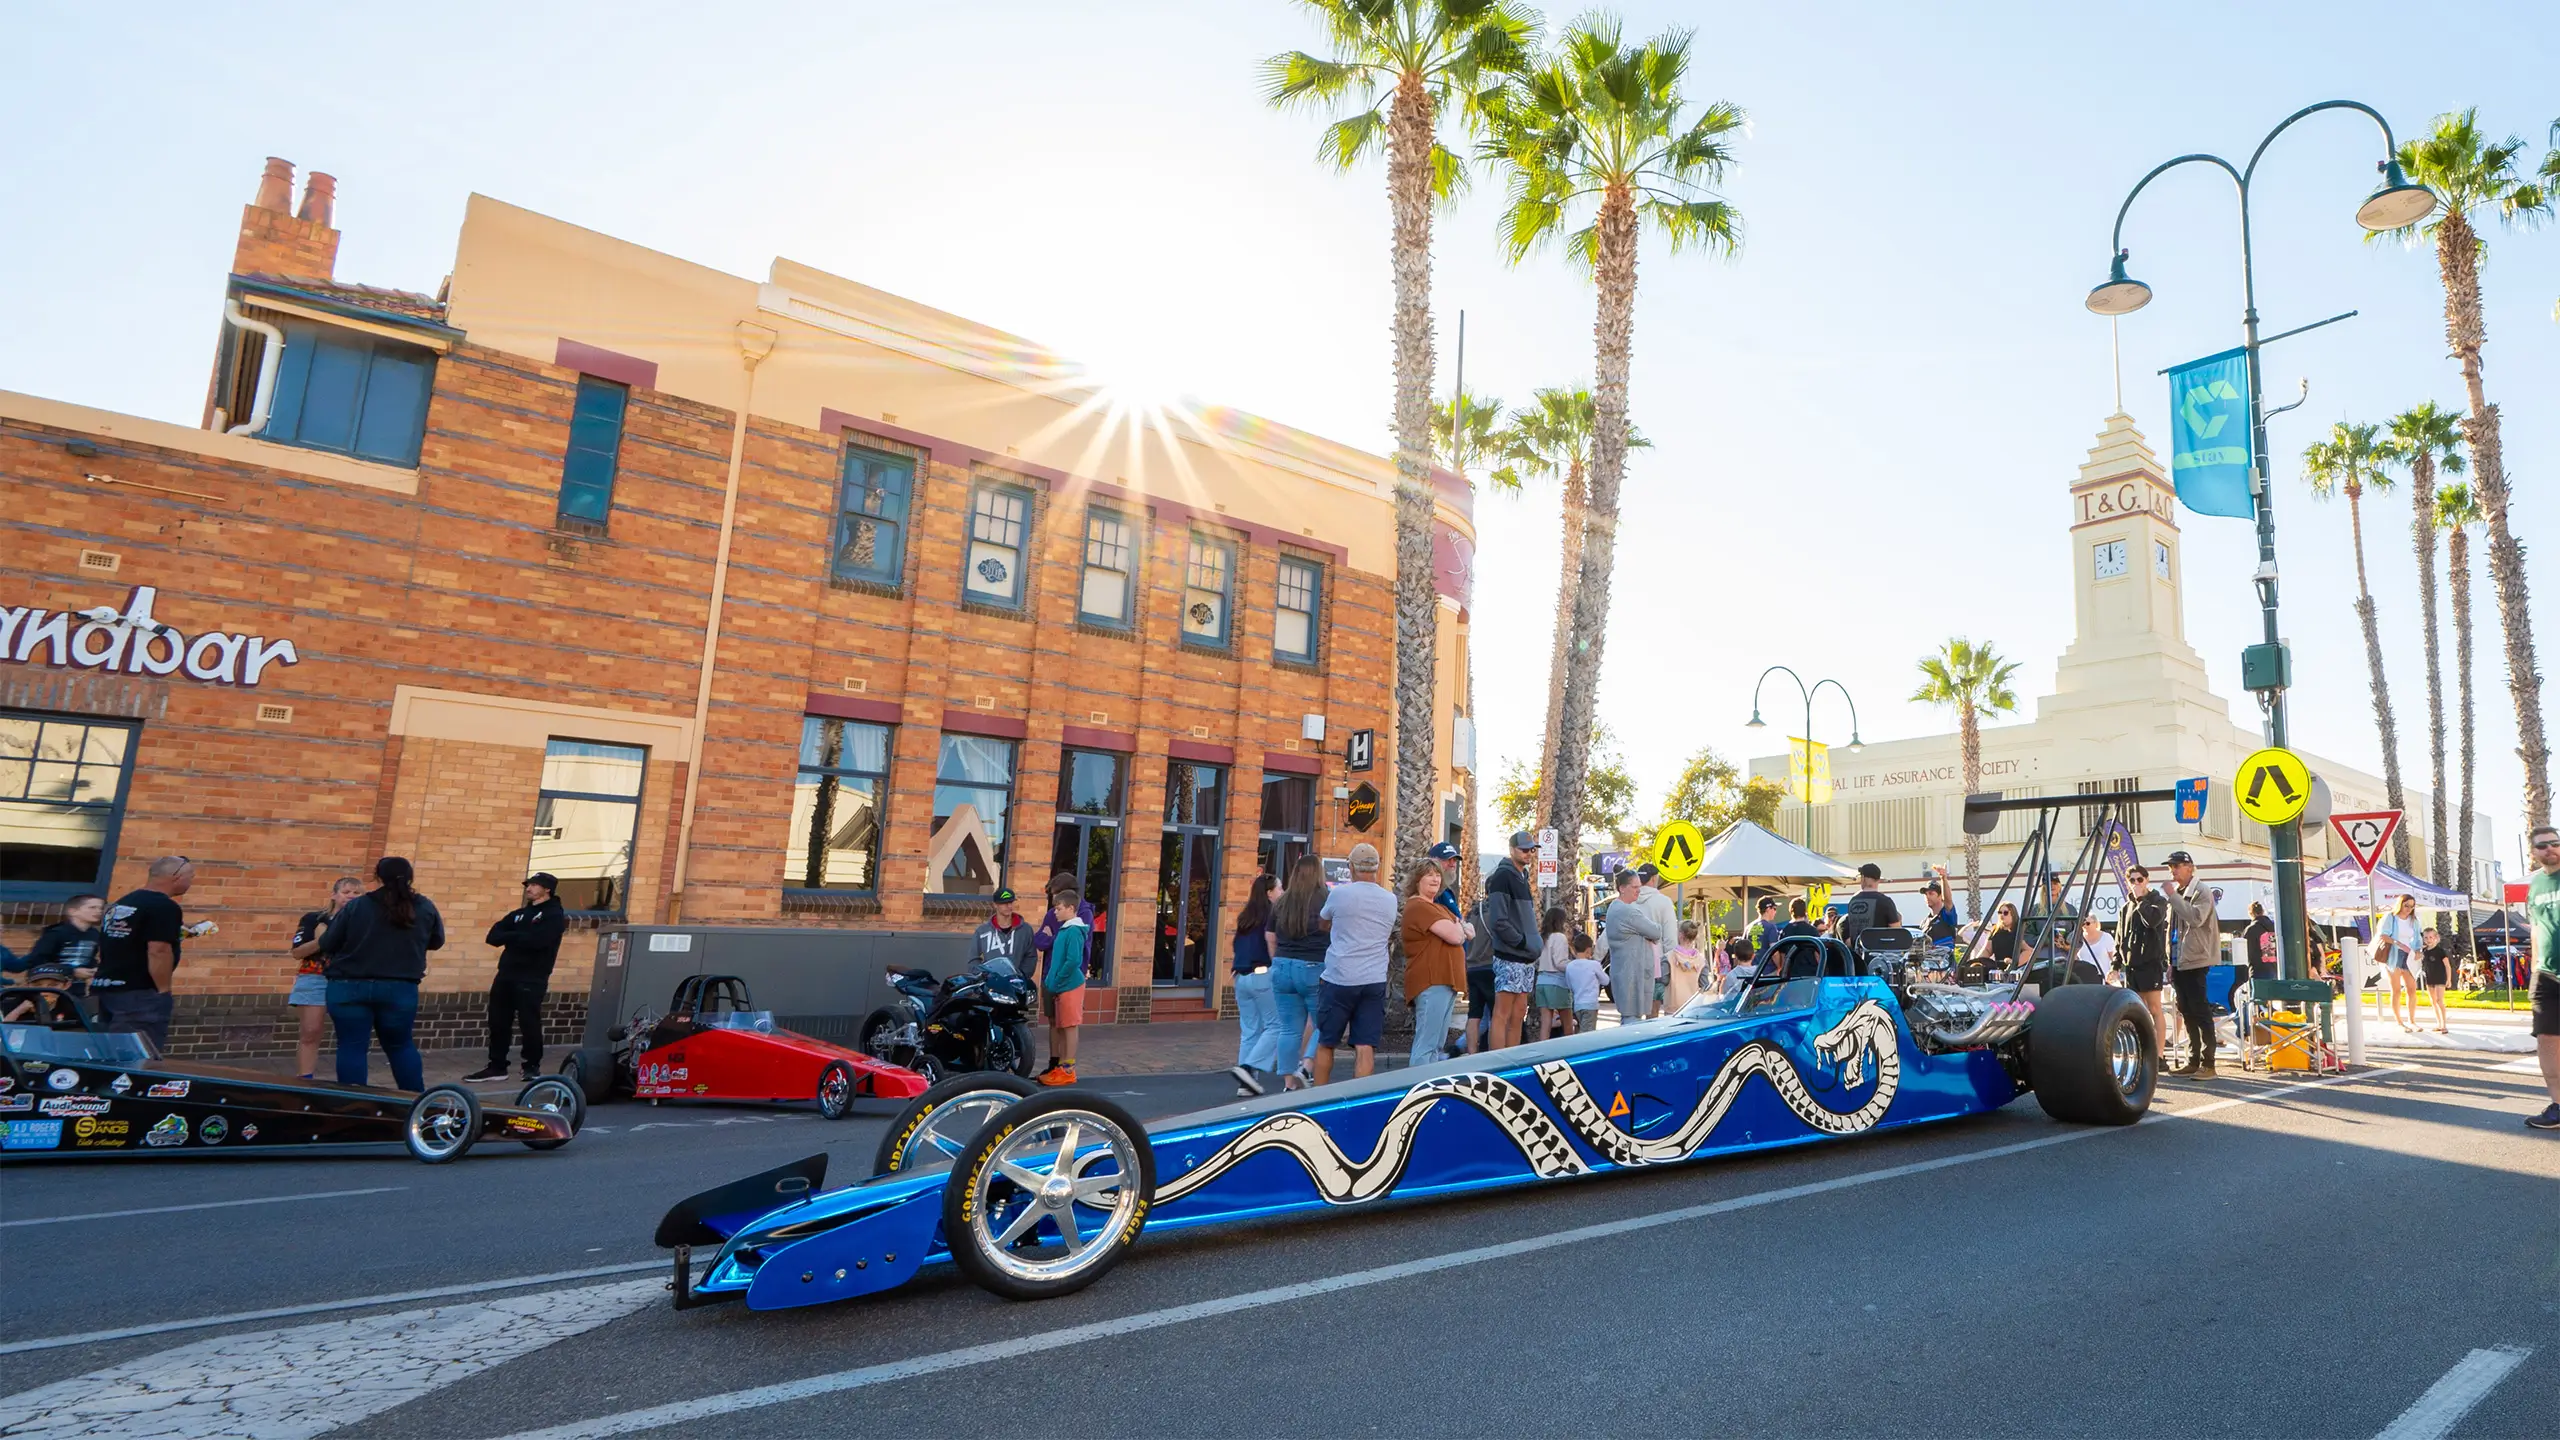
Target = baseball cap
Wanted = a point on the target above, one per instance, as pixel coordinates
(545, 879)
(1870, 871)
(1444, 851)
(2181, 857)
(1523, 840)
(1004, 895)
(51, 970)
(1648, 871)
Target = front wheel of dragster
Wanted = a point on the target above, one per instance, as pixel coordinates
(1048, 1195)
(2092, 1055)
(938, 1124)
(443, 1123)
(835, 1090)
(560, 1095)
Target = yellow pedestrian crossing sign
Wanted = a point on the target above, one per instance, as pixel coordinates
(2273, 785)
(1678, 851)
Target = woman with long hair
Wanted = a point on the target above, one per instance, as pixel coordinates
(1435, 960)
(2395, 943)
(1551, 995)
(1257, 1015)
(377, 953)
(1298, 939)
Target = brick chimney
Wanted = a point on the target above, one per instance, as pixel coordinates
(274, 241)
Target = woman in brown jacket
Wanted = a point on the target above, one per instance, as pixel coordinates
(1435, 960)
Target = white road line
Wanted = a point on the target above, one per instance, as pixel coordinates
(711, 1406)
(2450, 1398)
(207, 1205)
(296, 1383)
(440, 1292)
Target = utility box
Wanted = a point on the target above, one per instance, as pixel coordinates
(2266, 667)
(821, 982)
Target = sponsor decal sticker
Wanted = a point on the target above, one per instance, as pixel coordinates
(524, 1125)
(701, 1089)
(168, 1090)
(8, 1083)
(122, 1084)
(248, 1132)
(74, 1105)
(93, 1132)
(172, 1130)
(63, 1079)
(31, 1135)
(213, 1129)
(20, 1103)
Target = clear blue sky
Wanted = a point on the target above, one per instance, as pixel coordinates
(1863, 427)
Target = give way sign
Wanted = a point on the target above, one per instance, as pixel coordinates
(2366, 832)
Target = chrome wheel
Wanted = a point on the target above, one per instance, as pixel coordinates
(2128, 1059)
(835, 1092)
(443, 1123)
(936, 1141)
(1054, 1197)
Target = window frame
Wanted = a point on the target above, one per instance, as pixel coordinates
(1133, 561)
(566, 518)
(979, 489)
(637, 800)
(997, 863)
(1226, 636)
(293, 382)
(794, 882)
(897, 515)
(40, 892)
(1314, 610)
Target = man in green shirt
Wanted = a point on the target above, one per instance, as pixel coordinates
(2542, 909)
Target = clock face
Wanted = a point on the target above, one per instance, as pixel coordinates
(2108, 557)
(2160, 558)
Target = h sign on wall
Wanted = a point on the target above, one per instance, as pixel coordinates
(1360, 752)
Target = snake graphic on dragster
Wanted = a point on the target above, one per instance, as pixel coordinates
(1038, 1194)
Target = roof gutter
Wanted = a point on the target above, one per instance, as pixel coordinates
(267, 364)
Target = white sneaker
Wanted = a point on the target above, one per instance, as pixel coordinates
(1247, 1083)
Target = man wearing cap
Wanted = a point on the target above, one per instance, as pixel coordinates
(530, 945)
(1448, 856)
(2198, 950)
(1511, 919)
(1004, 941)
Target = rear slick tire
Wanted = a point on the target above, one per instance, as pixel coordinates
(2092, 1055)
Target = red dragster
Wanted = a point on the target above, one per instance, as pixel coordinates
(712, 1044)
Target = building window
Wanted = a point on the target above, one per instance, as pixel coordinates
(1208, 582)
(1288, 822)
(1187, 874)
(835, 805)
(595, 452)
(871, 529)
(1293, 633)
(1110, 587)
(972, 800)
(587, 822)
(1092, 785)
(998, 516)
(62, 787)
(2126, 811)
(347, 391)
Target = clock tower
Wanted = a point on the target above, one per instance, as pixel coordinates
(2130, 636)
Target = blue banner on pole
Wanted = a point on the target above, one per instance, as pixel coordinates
(2209, 435)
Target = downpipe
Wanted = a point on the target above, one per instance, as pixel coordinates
(266, 392)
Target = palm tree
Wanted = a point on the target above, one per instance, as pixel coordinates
(2427, 440)
(1468, 426)
(1552, 437)
(2457, 512)
(2473, 176)
(1403, 66)
(2549, 175)
(2349, 460)
(1976, 681)
(1602, 126)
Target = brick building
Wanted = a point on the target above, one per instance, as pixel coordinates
(788, 602)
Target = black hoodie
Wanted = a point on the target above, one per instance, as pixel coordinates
(532, 939)
(363, 944)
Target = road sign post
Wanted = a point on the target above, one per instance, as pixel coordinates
(2365, 833)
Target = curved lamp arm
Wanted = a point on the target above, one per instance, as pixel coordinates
(1764, 679)
(2390, 147)
(2116, 238)
(1854, 741)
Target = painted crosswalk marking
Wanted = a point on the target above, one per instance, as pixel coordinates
(306, 1380)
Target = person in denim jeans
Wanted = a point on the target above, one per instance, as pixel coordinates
(377, 951)
(1257, 1017)
(1435, 960)
(1299, 935)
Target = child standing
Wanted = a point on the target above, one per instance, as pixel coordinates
(1687, 963)
(1582, 975)
(1062, 982)
(1552, 996)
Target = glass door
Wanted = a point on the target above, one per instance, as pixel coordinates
(1288, 822)
(1187, 875)
(1087, 843)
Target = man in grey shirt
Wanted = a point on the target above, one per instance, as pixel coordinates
(1351, 995)
(1632, 937)
(2193, 912)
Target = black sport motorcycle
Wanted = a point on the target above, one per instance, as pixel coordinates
(979, 1019)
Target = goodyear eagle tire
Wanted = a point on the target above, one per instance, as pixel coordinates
(443, 1124)
(2092, 1055)
(939, 1123)
(1048, 1195)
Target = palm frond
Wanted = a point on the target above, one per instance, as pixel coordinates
(1353, 138)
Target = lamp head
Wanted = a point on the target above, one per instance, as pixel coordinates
(2395, 202)
(1856, 744)
(2121, 294)
(1755, 722)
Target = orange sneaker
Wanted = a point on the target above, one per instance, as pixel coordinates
(1057, 1075)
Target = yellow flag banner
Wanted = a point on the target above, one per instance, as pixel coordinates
(1809, 770)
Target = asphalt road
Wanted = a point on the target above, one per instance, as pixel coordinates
(2253, 1260)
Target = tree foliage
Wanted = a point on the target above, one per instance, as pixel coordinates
(1610, 809)
(1712, 793)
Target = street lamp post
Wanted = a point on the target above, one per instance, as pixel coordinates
(1805, 794)
(2266, 667)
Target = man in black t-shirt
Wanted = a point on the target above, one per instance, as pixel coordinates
(138, 952)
